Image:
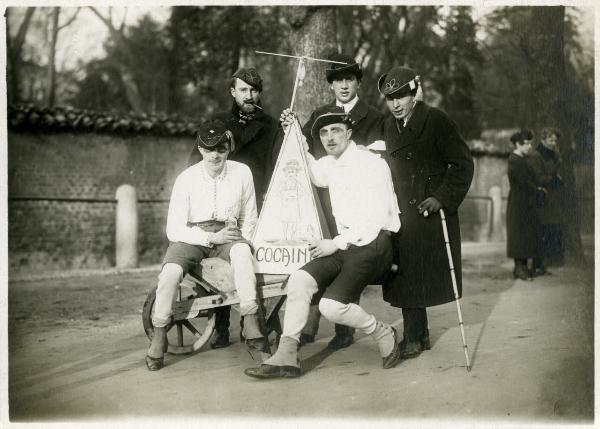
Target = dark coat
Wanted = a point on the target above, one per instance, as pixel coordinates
(427, 158)
(522, 219)
(367, 126)
(256, 145)
(546, 166)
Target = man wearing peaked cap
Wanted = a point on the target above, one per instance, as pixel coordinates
(258, 138)
(205, 196)
(344, 77)
(432, 169)
(366, 213)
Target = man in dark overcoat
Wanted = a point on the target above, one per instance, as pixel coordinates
(344, 78)
(432, 169)
(258, 138)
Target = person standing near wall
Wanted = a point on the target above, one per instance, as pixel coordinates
(367, 127)
(258, 139)
(546, 161)
(522, 217)
(432, 168)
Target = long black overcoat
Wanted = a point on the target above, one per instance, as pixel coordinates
(546, 165)
(257, 145)
(427, 158)
(367, 126)
(522, 218)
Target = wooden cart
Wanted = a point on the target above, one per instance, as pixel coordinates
(194, 311)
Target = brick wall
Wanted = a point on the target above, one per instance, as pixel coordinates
(63, 234)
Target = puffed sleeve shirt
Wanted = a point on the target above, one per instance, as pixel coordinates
(198, 197)
(362, 194)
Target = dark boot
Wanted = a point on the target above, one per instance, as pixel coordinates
(344, 337)
(520, 271)
(221, 339)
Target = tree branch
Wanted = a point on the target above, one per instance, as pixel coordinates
(70, 21)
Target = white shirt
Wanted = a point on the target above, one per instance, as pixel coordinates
(197, 197)
(362, 194)
(349, 105)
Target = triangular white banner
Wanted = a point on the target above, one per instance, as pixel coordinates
(289, 218)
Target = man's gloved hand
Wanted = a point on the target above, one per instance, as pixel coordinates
(429, 205)
(226, 235)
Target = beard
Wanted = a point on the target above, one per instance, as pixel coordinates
(247, 107)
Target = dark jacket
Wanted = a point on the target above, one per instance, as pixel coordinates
(546, 166)
(257, 145)
(367, 126)
(522, 219)
(427, 158)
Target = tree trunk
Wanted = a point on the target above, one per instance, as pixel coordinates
(14, 56)
(313, 34)
(51, 82)
(551, 103)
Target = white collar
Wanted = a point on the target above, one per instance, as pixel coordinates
(207, 175)
(349, 105)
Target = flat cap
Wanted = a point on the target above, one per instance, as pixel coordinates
(250, 76)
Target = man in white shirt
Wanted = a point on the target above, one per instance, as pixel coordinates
(344, 77)
(366, 213)
(205, 197)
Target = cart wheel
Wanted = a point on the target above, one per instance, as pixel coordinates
(184, 336)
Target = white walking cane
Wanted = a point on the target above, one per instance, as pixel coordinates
(455, 287)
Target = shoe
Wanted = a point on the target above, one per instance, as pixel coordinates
(541, 272)
(306, 338)
(410, 349)
(258, 344)
(520, 272)
(395, 356)
(221, 340)
(273, 371)
(154, 364)
(340, 342)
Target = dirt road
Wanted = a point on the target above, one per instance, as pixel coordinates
(76, 352)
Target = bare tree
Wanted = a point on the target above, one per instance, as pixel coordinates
(15, 47)
(118, 35)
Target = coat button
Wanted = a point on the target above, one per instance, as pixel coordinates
(412, 202)
(409, 156)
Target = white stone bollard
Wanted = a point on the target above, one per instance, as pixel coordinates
(126, 240)
(497, 233)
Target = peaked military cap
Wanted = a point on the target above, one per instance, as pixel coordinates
(336, 69)
(212, 134)
(250, 76)
(399, 81)
(330, 115)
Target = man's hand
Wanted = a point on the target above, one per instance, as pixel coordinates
(287, 118)
(226, 235)
(322, 248)
(429, 205)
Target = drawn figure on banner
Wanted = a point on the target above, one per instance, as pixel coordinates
(290, 192)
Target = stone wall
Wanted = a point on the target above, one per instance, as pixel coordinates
(61, 189)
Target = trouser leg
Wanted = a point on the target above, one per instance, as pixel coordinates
(301, 288)
(168, 282)
(415, 324)
(245, 283)
(354, 316)
(222, 319)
